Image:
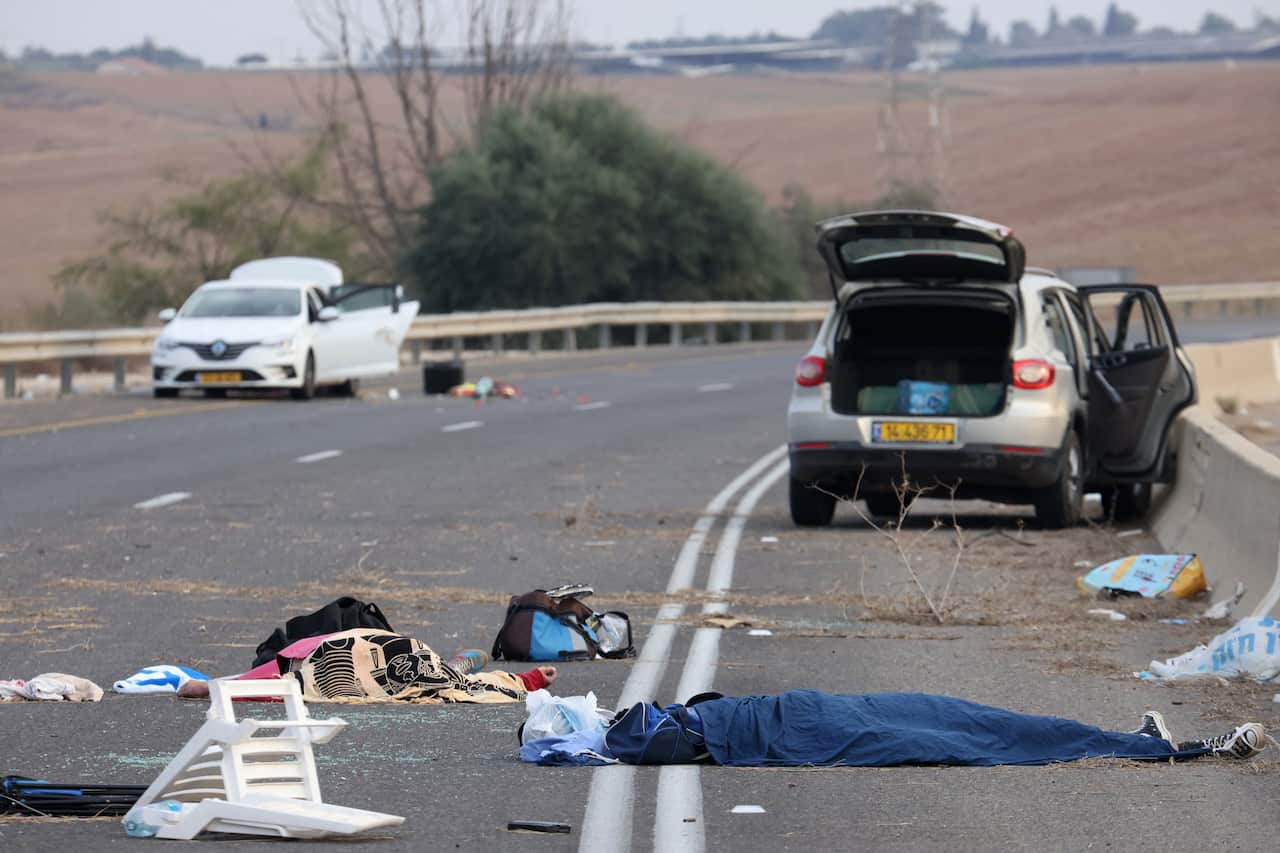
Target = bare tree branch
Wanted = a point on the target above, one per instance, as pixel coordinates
(381, 108)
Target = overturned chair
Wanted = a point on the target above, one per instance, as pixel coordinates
(249, 777)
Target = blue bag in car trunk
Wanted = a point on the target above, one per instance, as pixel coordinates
(923, 398)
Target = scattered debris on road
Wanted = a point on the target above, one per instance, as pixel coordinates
(164, 678)
(1148, 576)
(1113, 615)
(1222, 609)
(1249, 648)
(50, 687)
(20, 795)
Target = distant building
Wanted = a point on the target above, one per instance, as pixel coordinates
(1256, 44)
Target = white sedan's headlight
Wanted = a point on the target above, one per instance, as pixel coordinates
(164, 344)
(281, 343)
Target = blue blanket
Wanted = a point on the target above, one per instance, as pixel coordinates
(807, 727)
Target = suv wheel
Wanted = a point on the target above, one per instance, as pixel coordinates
(1126, 502)
(810, 507)
(1058, 505)
(884, 505)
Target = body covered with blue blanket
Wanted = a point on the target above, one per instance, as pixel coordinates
(808, 727)
(812, 728)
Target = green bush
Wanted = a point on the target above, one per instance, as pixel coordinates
(578, 200)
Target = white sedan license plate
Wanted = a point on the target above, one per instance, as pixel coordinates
(221, 378)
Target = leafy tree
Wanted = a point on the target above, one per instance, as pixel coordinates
(1053, 27)
(1119, 23)
(1081, 25)
(795, 219)
(876, 25)
(156, 254)
(1022, 34)
(978, 31)
(578, 200)
(1213, 24)
(798, 213)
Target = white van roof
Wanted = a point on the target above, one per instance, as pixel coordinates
(303, 270)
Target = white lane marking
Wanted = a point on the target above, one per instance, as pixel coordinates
(317, 457)
(680, 799)
(607, 823)
(589, 407)
(162, 500)
(459, 427)
(680, 794)
(715, 386)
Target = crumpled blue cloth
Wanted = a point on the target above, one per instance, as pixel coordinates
(808, 727)
(580, 749)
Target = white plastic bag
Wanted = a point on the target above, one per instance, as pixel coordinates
(1251, 647)
(551, 716)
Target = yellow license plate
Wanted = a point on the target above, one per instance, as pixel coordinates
(913, 432)
(228, 378)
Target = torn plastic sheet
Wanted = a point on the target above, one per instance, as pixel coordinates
(1147, 575)
(1249, 648)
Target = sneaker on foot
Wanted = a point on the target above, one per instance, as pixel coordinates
(1241, 742)
(1153, 726)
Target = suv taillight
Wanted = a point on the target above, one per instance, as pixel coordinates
(1032, 374)
(811, 371)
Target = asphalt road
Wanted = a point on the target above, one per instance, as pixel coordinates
(135, 532)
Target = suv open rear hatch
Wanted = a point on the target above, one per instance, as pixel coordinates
(918, 246)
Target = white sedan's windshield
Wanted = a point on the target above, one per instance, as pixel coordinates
(244, 302)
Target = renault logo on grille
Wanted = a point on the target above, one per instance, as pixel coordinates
(219, 349)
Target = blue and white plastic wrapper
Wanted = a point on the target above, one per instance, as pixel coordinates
(558, 716)
(1249, 648)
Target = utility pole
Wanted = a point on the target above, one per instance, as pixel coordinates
(910, 158)
(889, 142)
(937, 131)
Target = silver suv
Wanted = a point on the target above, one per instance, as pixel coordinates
(944, 356)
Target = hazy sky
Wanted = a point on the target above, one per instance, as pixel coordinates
(219, 30)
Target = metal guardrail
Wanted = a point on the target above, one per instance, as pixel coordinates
(120, 344)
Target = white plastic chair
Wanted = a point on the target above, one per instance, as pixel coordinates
(249, 777)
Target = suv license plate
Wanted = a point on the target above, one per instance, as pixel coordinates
(913, 432)
(227, 378)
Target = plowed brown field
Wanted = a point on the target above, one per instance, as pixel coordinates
(1174, 169)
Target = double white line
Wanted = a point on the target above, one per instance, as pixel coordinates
(607, 824)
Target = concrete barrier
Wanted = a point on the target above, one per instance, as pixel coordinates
(1246, 370)
(1225, 505)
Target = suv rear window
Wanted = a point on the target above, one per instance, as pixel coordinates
(962, 254)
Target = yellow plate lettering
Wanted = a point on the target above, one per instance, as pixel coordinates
(219, 378)
(913, 432)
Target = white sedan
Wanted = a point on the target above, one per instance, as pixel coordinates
(281, 323)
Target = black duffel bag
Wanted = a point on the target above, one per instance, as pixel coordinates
(340, 615)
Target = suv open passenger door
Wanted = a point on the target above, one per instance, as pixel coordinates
(1139, 379)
